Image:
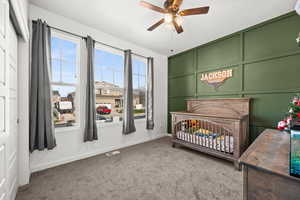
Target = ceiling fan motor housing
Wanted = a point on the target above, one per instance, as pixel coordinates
(172, 5)
(168, 3)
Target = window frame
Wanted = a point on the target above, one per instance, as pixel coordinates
(102, 47)
(144, 60)
(111, 50)
(77, 41)
(141, 60)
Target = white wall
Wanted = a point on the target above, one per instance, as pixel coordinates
(70, 144)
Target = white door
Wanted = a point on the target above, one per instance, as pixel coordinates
(12, 146)
(8, 105)
(4, 95)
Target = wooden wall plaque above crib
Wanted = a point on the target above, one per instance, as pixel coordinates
(218, 127)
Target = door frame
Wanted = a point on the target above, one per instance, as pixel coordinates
(19, 13)
(21, 17)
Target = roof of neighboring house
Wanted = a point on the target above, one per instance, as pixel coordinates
(104, 84)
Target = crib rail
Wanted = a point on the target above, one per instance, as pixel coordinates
(206, 134)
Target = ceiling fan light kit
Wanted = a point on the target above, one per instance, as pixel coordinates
(179, 20)
(168, 18)
(172, 15)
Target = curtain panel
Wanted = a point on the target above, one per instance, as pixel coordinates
(128, 111)
(150, 95)
(90, 128)
(41, 135)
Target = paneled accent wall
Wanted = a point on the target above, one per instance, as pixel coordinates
(266, 67)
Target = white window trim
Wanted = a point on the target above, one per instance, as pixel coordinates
(68, 37)
(108, 49)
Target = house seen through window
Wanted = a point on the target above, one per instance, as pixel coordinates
(64, 79)
(109, 82)
(109, 85)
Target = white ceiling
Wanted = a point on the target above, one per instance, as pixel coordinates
(127, 20)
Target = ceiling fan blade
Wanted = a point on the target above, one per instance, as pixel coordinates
(152, 7)
(154, 26)
(178, 28)
(194, 11)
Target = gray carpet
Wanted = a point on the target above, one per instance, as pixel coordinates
(149, 171)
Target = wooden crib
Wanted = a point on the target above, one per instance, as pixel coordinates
(218, 127)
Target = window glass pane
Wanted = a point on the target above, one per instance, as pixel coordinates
(68, 72)
(63, 102)
(139, 88)
(55, 50)
(56, 71)
(136, 81)
(63, 53)
(139, 67)
(69, 50)
(109, 77)
(143, 82)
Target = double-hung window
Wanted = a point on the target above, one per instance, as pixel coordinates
(139, 86)
(109, 84)
(65, 59)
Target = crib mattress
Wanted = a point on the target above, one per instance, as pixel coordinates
(213, 141)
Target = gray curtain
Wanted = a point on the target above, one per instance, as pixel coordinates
(128, 114)
(41, 134)
(149, 95)
(90, 128)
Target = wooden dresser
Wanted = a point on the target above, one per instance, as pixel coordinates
(266, 168)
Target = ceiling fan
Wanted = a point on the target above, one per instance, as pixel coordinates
(172, 13)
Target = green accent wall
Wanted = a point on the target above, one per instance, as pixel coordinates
(266, 67)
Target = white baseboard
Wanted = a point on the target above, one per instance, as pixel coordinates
(13, 190)
(90, 154)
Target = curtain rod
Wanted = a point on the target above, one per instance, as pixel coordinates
(80, 36)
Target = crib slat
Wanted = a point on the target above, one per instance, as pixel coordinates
(228, 141)
(188, 134)
(225, 142)
(229, 146)
(186, 129)
(220, 140)
(204, 135)
(206, 142)
(219, 134)
(212, 136)
(190, 130)
(208, 131)
(201, 132)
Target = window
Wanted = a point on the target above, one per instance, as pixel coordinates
(64, 79)
(109, 77)
(139, 87)
(109, 85)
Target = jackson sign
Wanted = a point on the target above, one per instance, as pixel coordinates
(217, 78)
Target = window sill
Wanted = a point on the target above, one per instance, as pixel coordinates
(99, 125)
